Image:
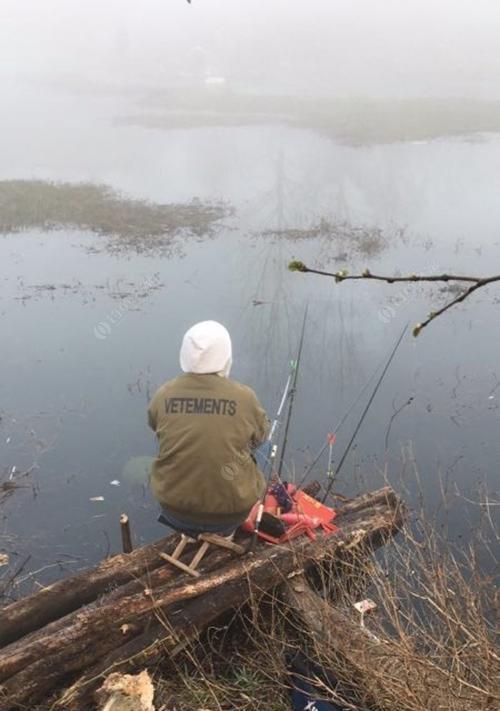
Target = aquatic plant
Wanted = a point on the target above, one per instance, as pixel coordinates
(350, 240)
(128, 224)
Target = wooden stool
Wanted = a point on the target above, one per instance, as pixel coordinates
(206, 540)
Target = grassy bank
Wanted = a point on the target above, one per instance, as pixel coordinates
(357, 121)
(432, 642)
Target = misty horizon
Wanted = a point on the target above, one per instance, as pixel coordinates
(381, 48)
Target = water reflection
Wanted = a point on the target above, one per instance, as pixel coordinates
(86, 395)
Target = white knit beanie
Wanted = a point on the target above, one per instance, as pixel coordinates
(206, 348)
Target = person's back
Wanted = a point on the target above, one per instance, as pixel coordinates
(207, 425)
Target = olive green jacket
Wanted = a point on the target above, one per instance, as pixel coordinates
(207, 426)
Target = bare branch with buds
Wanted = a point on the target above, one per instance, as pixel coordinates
(343, 275)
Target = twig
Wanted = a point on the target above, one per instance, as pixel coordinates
(32, 574)
(393, 417)
(342, 275)
(11, 579)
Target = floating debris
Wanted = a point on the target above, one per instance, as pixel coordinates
(115, 482)
(96, 498)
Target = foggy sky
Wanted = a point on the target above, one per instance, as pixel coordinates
(332, 47)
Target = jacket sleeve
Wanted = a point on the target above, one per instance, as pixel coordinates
(262, 424)
(153, 412)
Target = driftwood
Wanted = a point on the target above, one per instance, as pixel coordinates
(122, 692)
(153, 607)
(373, 665)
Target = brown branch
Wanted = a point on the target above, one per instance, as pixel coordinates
(342, 275)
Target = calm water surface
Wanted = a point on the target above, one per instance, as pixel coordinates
(73, 392)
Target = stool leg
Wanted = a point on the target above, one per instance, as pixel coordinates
(180, 565)
(181, 545)
(199, 555)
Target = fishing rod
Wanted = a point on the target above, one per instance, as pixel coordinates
(272, 456)
(292, 380)
(331, 438)
(292, 393)
(337, 427)
(361, 419)
(277, 420)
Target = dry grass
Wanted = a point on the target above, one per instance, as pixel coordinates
(436, 645)
(128, 225)
(432, 643)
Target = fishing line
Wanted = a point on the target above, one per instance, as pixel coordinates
(375, 390)
(276, 421)
(292, 392)
(338, 426)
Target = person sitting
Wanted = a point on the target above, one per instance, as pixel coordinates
(208, 427)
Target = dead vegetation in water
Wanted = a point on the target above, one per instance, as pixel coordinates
(129, 293)
(346, 239)
(127, 224)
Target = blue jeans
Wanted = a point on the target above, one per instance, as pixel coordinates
(190, 528)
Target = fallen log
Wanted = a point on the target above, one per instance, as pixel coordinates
(170, 636)
(33, 612)
(385, 495)
(54, 601)
(185, 621)
(160, 609)
(385, 678)
(29, 647)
